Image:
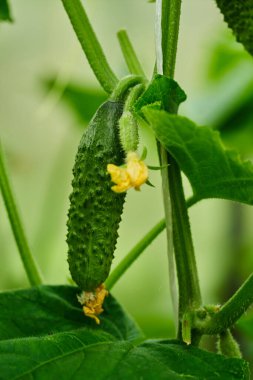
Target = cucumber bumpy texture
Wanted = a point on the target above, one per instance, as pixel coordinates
(95, 210)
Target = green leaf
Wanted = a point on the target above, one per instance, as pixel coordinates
(71, 356)
(82, 100)
(164, 91)
(53, 309)
(239, 16)
(5, 14)
(213, 171)
(44, 335)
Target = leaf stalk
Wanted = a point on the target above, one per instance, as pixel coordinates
(129, 54)
(90, 44)
(26, 256)
(229, 313)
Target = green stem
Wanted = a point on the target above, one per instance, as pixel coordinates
(26, 256)
(90, 44)
(168, 223)
(134, 94)
(189, 291)
(134, 254)
(137, 250)
(124, 85)
(229, 313)
(170, 30)
(129, 54)
(228, 346)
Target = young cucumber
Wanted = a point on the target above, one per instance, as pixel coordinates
(95, 210)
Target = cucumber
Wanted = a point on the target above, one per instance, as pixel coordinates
(95, 210)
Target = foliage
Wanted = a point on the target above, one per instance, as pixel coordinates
(213, 171)
(43, 330)
(60, 341)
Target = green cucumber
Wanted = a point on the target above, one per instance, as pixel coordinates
(95, 210)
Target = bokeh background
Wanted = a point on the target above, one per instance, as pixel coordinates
(47, 95)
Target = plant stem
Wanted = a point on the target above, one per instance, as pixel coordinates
(168, 224)
(90, 44)
(134, 254)
(230, 312)
(129, 54)
(25, 253)
(124, 85)
(189, 291)
(228, 346)
(134, 94)
(170, 29)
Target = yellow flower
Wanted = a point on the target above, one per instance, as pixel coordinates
(93, 301)
(133, 174)
(120, 177)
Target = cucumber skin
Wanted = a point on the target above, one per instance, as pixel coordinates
(95, 210)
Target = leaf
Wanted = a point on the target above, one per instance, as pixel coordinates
(44, 335)
(213, 171)
(239, 16)
(71, 356)
(5, 14)
(82, 100)
(53, 309)
(164, 91)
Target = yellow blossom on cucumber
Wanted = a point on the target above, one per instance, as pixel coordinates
(92, 302)
(119, 176)
(133, 174)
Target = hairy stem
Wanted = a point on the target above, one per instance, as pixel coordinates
(170, 29)
(229, 313)
(90, 44)
(134, 94)
(189, 291)
(17, 229)
(124, 85)
(129, 54)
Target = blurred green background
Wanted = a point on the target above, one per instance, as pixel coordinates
(48, 93)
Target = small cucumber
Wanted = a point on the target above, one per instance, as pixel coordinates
(95, 210)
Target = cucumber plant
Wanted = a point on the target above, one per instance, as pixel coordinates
(107, 164)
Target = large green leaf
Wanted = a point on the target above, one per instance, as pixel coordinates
(213, 171)
(5, 14)
(239, 16)
(53, 309)
(44, 335)
(72, 356)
